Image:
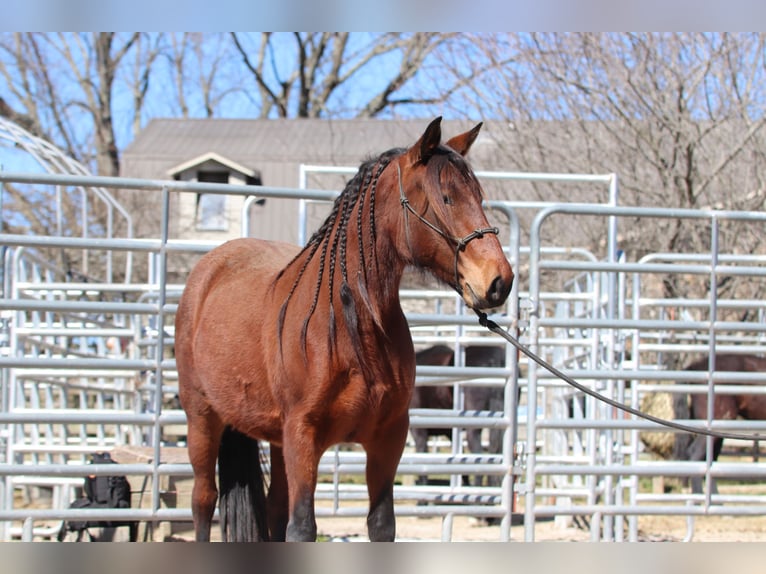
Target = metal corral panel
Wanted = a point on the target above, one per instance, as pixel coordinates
(87, 365)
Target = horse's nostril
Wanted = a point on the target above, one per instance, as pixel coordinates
(498, 290)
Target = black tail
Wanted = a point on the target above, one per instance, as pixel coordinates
(242, 501)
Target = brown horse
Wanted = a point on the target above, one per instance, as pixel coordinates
(725, 407)
(475, 398)
(307, 348)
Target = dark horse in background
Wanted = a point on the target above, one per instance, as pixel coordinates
(309, 347)
(475, 398)
(725, 407)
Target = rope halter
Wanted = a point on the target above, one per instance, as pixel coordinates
(459, 242)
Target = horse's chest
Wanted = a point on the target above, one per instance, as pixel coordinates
(367, 406)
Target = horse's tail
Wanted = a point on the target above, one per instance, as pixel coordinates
(242, 501)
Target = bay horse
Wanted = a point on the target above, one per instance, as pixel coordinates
(725, 407)
(308, 347)
(475, 398)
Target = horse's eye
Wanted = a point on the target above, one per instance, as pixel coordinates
(447, 200)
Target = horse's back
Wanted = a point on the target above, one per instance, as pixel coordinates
(245, 255)
(247, 261)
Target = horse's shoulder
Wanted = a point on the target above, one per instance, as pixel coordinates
(249, 260)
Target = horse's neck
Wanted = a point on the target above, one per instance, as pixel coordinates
(379, 293)
(378, 277)
(357, 254)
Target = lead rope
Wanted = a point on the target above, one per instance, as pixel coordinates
(495, 328)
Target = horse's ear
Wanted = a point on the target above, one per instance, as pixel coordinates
(428, 142)
(462, 143)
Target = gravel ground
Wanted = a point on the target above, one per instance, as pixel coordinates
(466, 529)
(650, 528)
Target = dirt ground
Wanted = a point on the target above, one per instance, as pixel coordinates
(467, 529)
(651, 528)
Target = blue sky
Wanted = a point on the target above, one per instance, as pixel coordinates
(15, 159)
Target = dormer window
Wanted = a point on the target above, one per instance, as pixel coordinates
(211, 207)
(213, 212)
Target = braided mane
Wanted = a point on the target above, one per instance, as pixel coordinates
(329, 244)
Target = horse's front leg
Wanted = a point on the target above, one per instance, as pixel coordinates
(301, 459)
(383, 455)
(697, 451)
(277, 501)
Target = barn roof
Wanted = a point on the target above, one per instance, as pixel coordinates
(251, 141)
(212, 156)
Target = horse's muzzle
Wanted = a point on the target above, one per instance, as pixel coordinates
(496, 293)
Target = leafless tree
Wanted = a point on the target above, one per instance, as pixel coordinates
(204, 72)
(64, 87)
(679, 117)
(323, 74)
(71, 89)
(90, 93)
(148, 49)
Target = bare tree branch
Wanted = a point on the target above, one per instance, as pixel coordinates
(257, 72)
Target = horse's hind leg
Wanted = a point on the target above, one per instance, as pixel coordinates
(474, 447)
(382, 461)
(420, 436)
(204, 437)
